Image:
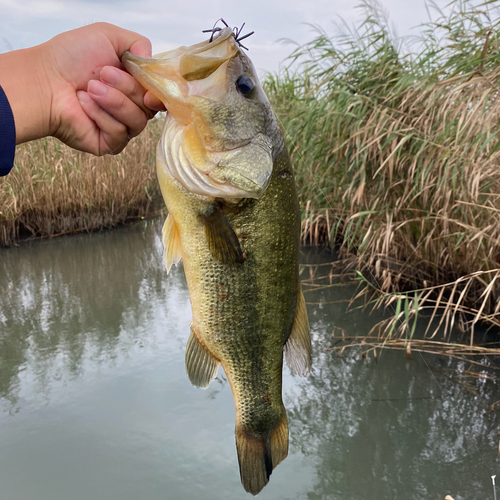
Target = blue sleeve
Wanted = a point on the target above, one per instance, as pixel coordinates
(7, 135)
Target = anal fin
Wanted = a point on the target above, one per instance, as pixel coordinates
(201, 366)
(221, 238)
(298, 349)
(171, 242)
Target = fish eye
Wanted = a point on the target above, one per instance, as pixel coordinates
(244, 84)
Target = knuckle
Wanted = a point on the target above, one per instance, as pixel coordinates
(136, 91)
(139, 126)
(119, 101)
(121, 132)
(142, 122)
(137, 123)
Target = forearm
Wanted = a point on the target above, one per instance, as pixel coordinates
(23, 81)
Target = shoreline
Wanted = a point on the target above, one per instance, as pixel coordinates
(53, 189)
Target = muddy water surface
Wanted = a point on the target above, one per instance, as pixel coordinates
(95, 403)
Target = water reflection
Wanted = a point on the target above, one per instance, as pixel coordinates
(393, 427)
(78, 298)
(95, 403)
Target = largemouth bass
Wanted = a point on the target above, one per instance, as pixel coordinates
(234, 220)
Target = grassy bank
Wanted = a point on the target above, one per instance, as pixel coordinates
(396, 148)
(55, 190)
(397, 154)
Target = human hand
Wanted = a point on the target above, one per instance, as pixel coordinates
(74, 87)
(103, 118)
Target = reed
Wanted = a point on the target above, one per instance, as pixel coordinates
(397, 155)
(55, 190)
(396, 149)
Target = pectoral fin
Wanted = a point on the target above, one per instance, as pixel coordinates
(221, 238)
(201, 366)
(298, 350)
(171, 242)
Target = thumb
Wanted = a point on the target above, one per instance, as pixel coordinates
(125, 40)
(142, 48)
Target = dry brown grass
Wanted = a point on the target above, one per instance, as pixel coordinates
(438, 232)
(396, 154)
(55, 190)
(397, 157)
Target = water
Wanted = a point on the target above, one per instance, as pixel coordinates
(95, 402)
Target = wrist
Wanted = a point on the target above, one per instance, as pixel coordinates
(26, 84)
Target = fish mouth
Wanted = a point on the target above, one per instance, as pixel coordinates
(199, 147)
(175, 75)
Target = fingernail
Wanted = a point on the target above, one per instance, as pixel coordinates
(97, 88)
(110, 75)
(83, 97)
(138, 50)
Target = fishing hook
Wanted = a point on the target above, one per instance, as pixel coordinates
(237, 32)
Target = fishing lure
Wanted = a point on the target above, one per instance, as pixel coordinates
(237, 32)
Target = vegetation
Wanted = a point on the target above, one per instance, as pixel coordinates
(55, 190)
(396, 146)
(397, 153)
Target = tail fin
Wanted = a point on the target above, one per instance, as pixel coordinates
(258, 456)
